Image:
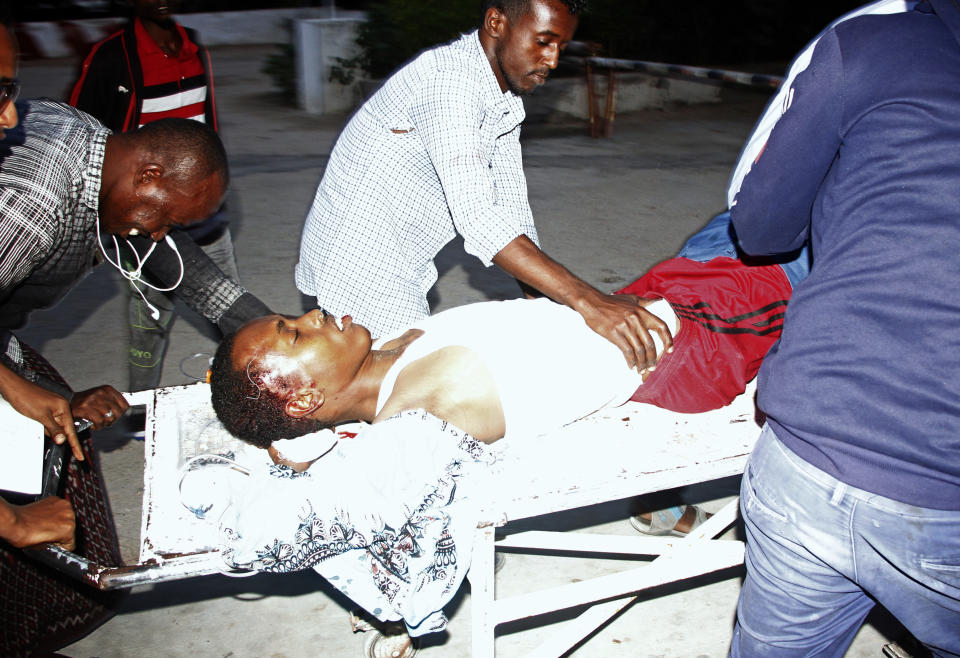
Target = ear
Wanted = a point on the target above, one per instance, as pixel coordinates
(303, 402)
(494, 23)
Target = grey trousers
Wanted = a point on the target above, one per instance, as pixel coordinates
(148, 336)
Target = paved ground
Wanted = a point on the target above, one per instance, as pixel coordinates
(608, 209)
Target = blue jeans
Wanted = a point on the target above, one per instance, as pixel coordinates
(821, 553)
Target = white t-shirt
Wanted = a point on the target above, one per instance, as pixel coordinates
(550, 368)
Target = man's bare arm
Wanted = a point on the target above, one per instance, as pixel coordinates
(618, 319)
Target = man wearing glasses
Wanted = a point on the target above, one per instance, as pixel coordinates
(51, 519)
(67, 187)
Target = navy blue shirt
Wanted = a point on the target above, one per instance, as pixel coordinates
(865, 163)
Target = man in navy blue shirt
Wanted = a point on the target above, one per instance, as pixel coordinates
(852, 494)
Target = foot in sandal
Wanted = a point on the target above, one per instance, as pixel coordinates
(672, 521)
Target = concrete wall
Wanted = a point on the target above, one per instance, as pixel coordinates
(262, 26)
(323, 34)
(319, 42)
(567, 97)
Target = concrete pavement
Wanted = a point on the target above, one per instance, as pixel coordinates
(608, 209)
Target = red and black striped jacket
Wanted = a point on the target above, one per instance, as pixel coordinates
(111, 85)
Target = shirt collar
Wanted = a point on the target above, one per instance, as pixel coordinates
(508, 103)
(93, 176)
(147, 46)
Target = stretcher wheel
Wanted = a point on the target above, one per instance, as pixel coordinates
(394, 645)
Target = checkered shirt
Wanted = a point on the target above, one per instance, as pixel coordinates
(49, 188)
(434, 152)
(50, 168)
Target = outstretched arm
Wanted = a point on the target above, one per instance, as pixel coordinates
(205, 288)
(617, 318)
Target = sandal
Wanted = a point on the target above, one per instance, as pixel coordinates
(663, 522)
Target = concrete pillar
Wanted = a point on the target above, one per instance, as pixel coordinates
(318, 43)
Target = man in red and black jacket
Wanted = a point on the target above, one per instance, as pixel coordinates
(151, 69)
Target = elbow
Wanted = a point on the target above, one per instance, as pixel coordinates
(746, 231)
(753, 244)
(765, 238)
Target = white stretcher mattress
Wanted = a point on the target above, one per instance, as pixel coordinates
(613, 454)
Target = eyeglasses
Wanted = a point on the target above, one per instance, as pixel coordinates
(9, 89)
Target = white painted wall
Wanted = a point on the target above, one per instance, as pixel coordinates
(260, 26)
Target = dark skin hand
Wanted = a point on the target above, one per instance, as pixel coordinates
(101, 405)
(55, 413)
(618, 318)
(47, 521)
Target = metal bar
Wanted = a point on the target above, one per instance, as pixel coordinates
(568, 633)
(684, 71)
(611, 109)
(717, 523)
(109, 578)
(482, 583)
(682, 562)
(186, 566)
(585, 542)
(554, 499)
(138, 398)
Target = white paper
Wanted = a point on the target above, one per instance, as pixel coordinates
(21, 451)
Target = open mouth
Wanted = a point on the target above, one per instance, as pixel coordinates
(337, 321)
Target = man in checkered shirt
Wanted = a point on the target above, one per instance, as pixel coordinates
(436, 152)
(64, 181)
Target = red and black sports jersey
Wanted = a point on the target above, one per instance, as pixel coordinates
(730, 315)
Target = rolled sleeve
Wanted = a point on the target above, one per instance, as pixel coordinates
(480, 171)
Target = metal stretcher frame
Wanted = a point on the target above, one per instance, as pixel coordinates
(688, 449)
(731, 431)
(157, 563)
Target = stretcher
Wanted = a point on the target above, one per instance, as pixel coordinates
(614, 454)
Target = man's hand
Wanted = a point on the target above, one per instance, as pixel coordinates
(47, 408)
(101, 405)
(618, 318)
(625, 323)
(48, 521)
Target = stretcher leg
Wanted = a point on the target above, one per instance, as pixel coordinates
(482, 583)
(677, 559)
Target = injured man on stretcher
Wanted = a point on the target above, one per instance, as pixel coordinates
(389, 518)
(509, 368)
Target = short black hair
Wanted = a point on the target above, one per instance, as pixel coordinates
(514, 8)
(251, 412)
(193, 147)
